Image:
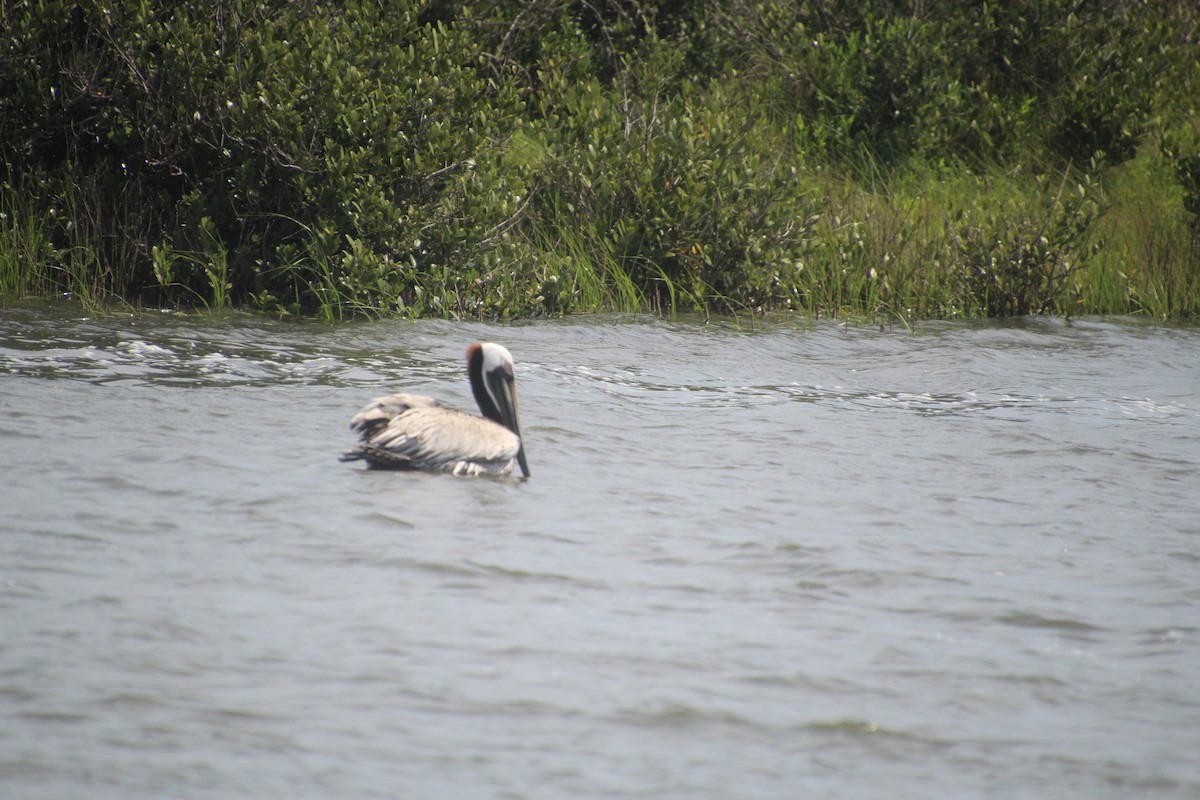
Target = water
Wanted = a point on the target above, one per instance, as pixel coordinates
(795, 562)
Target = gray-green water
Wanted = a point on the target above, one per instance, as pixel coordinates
(826, 562)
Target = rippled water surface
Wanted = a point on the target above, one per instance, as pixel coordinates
(800, 561)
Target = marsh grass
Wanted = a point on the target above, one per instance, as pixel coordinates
(58, 250)
(26, 250)
(586, 278)
(916, 243)
(945, 242)
(1148, 243)
(313, 278)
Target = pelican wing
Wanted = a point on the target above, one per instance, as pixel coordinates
(432, 437)
(382, 410)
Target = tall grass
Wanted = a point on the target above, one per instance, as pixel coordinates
(25, 247)
(52, 251)
(938, 242)
(919, 242)
(1148, 259)
(583, 276)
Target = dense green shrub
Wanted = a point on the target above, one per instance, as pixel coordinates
(345, 151)
(548, 156)
(673, 181)
(946, 80)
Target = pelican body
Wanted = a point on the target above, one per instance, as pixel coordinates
(410, 431)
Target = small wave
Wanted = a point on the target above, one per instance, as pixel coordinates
(1024, 619)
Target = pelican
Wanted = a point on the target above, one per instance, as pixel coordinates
(411, 431)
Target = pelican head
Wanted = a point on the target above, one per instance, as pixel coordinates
(490, 368)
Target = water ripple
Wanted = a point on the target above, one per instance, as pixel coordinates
(961, 561)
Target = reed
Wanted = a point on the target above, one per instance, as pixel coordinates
(583, 276)
(950, 242)
(1148, 246)
(25, 248)
(54, 251)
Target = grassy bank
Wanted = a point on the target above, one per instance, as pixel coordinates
(552, 157)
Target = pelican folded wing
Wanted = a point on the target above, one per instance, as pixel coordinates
(442, 440)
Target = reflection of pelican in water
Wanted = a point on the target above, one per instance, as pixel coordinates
(410, 431)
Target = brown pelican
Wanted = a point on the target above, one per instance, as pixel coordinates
(410, 431)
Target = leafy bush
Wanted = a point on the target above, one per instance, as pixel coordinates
(346, 146)
(674, 181)
(1015, 258)
(981, 83)
(549, 156)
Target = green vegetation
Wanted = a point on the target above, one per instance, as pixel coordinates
(524, 157)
